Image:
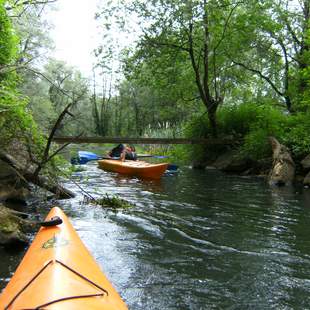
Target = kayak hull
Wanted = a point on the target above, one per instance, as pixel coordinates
(58, 272)
(136, 168)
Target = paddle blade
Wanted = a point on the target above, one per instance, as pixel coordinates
(151, 156)
(88, 155)
(84, 157)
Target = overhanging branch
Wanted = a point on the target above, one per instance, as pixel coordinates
(28, 2)
(259, 73)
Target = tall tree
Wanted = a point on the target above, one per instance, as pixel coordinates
(197, 29)
(159, 92)
(274, 47)
(301, 38)
(101, 102)
(33, 31)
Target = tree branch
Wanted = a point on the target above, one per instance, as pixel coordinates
(259, 73)
(155, 43)
(194, 65)
(51, 82)
(63, 147)
(45, 156)
(28, 2)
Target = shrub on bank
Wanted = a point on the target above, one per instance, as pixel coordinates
(297, 134)
(268, 121)
(253, 124)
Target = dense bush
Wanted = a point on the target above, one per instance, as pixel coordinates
(8, 41)
(237, 120)
(253, 124)
(269, 121)
(296, 134)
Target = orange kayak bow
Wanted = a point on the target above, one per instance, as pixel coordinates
(58, 272)
(136, 168)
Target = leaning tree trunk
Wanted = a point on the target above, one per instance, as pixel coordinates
(32, 177)
(283, 167)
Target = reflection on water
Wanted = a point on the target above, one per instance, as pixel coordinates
(196, 240)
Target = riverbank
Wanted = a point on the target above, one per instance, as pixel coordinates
(233, 161)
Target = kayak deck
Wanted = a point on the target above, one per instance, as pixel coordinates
(137, 168)
(58, 272)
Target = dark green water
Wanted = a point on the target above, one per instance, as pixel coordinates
(196, 240)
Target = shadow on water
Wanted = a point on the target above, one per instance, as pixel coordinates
(196, 240)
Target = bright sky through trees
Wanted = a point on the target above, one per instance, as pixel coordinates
(75, 34)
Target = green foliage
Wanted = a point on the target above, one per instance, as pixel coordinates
(291, 130)
(160, 93)
(8, 40)
(256, 145)
(33, 32)
(236, 120)
(297, 134)
(304, 77)
(183, 154)
(253, 124)
(15, 120)
(251, 56)
(198, 127)
(47, 100)
(113, 202)
(157, 93)
(269, 121)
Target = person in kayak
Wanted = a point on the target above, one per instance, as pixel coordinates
(130, 152)
(124, 151)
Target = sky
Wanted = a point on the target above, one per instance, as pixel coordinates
(75, 33)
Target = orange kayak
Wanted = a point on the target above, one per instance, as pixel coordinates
(136, 168)
(58, 272)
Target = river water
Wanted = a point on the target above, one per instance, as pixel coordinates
(195, 240)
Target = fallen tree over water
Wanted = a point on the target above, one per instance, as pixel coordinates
(31, 172)
(29, 175)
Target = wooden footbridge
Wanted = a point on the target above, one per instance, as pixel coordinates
(102, 140)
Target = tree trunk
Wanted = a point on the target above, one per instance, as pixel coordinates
(213, 123)
(283, 167)
(32, 177)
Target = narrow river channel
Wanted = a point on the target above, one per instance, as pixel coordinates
(195, 240)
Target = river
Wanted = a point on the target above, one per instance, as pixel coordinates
(194, 240)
